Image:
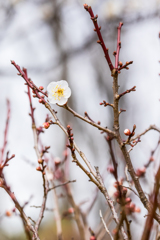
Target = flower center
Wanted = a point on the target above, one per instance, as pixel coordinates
(58, 92)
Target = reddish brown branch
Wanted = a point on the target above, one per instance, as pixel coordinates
(125, 66)
(5, 132)
(100, 41)
(26, 221)
(31, 107)
(36, 90)
(118, 45)
(154, 202)
(128, 91)
(106, 104)
(88, 120)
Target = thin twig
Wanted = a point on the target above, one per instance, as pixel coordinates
(62, 184)
(151, 127)
(91, 122)
(105, 226)
(100, 41)
(118, 45)
(5, 131)
(57, 215)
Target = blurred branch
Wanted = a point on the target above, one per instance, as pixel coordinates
(105, 226)
(5, 132)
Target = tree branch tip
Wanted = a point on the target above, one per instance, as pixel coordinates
(86, 6)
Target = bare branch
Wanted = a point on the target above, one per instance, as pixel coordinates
(105, 226)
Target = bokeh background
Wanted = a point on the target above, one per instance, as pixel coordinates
(54, 40)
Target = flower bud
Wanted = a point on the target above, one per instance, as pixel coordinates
(57, 161)
(137, 209)
(127, 132)
(71, 210)
(8, 213)
(92, 237)
(40, 161)
(110, 169)
(40, 101)
(127, 200)
(117, 194)
(41, 87)
(38, 168)
(140, 171)
(46, 125)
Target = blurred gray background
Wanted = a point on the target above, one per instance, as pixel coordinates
(54, 40)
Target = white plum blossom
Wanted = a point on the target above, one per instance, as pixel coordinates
(58, 92)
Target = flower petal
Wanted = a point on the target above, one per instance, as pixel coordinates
(51, 85)
(62, 101)
(67, 92)
(52, 100)
(62, 83)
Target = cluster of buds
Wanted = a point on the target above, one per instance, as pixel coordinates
(127, 132)
(106, 104)
(35, 92)
(131, 208)
(42, 167)
(121, 198)
(71, 139)
(121, 66)
(120, 194)
(130, 134)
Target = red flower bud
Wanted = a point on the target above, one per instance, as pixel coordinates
(92, 238)
(110, 169)
(40, 161)
(70, 210)
(127, 132)
(140, 171)
(46, 125)
(38, 168)
(41, 87)
(120, 63)
(127, 200)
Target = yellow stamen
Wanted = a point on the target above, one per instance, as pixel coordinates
(58, 92)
